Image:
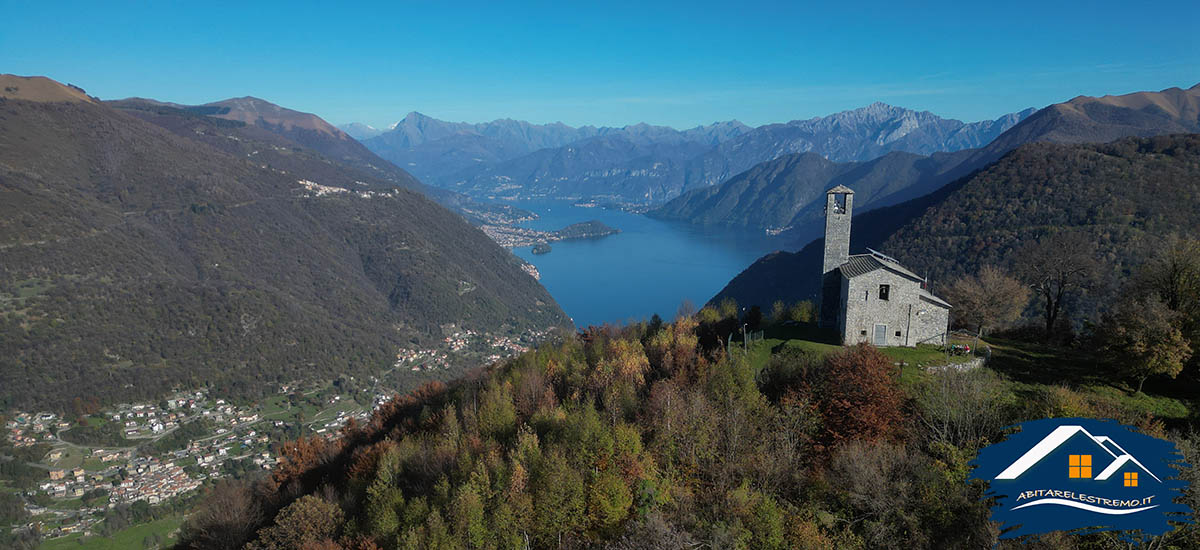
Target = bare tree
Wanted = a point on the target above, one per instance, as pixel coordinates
(1174, 276)
(226, 519)
(1055, 266)
(989, 299)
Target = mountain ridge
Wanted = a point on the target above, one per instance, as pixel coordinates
(1082, 119)
(481, 166)
(140, 249)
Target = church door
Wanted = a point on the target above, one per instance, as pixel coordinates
(880, 335)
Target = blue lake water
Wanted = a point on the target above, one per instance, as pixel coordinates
(650, 267)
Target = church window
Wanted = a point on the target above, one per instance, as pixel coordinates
(897, 334)
(884, 290)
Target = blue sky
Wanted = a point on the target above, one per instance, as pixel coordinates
(611, 63)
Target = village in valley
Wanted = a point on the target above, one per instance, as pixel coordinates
(158, 454)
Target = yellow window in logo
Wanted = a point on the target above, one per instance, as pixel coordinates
(1131, 479)
(1080, 467)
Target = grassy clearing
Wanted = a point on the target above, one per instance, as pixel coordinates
(811, 339)
(71, 459)
(1035, 367)
(1033, 371)
(122, 540)
(68, 505)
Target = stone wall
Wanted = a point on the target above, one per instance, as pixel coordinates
(906, 318)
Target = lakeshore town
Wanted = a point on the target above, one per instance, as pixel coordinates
(154, 452)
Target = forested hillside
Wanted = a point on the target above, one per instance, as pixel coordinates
(653, 437)
(1123, 200)
(1125, 197)
(254, 128)
(786, 194)
(134, 259)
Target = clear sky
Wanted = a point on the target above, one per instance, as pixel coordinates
(607, 63)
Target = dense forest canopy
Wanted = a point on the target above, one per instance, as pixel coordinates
(1122, 200)
(648, 438)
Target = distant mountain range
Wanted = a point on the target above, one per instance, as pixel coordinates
(360, 131)
(784, 194)
(647, 164)
(858, 135)
(481, 158)
(932, 233)
(145, 245)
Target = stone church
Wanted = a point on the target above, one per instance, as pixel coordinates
(871, 297)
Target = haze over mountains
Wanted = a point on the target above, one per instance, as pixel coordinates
(360, 131)
(649, 165)
(144, 245)
(785, 193)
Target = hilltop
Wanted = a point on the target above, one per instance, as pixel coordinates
(40, 89)
(653, 436)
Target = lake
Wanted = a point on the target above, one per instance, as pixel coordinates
(650, 267)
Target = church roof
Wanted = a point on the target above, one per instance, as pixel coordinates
(840, 190)
(929, 297)
(861, 264)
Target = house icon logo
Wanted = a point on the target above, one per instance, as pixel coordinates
(1080, 474)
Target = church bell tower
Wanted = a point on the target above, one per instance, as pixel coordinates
(839, 206)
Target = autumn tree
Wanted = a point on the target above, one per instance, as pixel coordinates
(804, 311)
(307, 521)
(988, 299)
(1143, 339)
(226, 519)
(1055, 266)
(858, 395)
